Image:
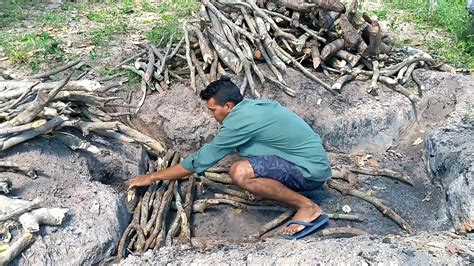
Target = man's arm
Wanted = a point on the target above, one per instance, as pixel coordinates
(176, 172)
(225, 142)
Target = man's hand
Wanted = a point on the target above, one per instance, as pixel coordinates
(176, 172)
(140, 181)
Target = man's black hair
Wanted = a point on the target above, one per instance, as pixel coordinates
(222, 90)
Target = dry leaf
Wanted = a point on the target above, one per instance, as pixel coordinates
(451, 248)
(374, 162)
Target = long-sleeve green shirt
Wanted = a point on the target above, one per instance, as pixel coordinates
(264, 127)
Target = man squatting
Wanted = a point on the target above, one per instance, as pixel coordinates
(283, 154)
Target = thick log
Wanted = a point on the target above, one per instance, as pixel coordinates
(11, 208)
(42, 99)
(32, 133)
(14, 250)
(15, 88)
(226, 55)
(351, 36)
(32, 220)
(207, 53)
(332, 48)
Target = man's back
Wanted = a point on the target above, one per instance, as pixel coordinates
(276, 130)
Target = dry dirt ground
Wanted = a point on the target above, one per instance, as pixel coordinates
(383, 127)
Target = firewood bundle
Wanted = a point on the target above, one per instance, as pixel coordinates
(162, 212)
(259, 40)
(30, 108)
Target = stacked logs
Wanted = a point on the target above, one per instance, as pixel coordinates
(149, 228)
(31, 107)
(162, 211)
(37, 106)
(244, 37)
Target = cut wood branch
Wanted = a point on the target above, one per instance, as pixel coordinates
(378, 203)
(342, 231)
(42, 99)
(13, 167)
(228, 189)
(383, 172)
(188, 57)
(14, 250)
(343, 216)
(273, 223)
(55, 71)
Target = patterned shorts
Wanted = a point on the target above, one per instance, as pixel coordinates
(283, 171)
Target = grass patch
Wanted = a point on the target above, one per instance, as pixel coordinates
(104, 34)
(451, 16)
(14, 11)
(33, 49)
(172, 13)
(100, 16)
(111, 22)
(381, 14)
(52, 19)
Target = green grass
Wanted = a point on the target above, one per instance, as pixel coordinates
(32, 49)
(451, 16)
(102, 35)
(14, 11)
(172, 13)
(111, 20)
(52, 19)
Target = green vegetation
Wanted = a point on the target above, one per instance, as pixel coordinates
(13, 11)
(111, 21)
(32, 49)
(103, 34)
(172, 14)
(449, 15)
(52, 19)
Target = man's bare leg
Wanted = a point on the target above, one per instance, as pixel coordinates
(242, 174)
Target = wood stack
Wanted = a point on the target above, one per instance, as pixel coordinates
(31, 107)
(259, 40)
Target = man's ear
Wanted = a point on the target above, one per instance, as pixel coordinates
(230, 105)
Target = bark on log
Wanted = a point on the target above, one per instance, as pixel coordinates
(14, 250)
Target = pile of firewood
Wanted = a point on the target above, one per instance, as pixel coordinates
(30, 107)
(33, 107)
(162, 211)
(261, 39)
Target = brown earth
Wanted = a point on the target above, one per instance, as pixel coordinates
(384, 127)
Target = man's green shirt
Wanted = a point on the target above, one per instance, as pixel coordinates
(264, 127)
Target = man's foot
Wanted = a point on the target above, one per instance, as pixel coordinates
(305, 214)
